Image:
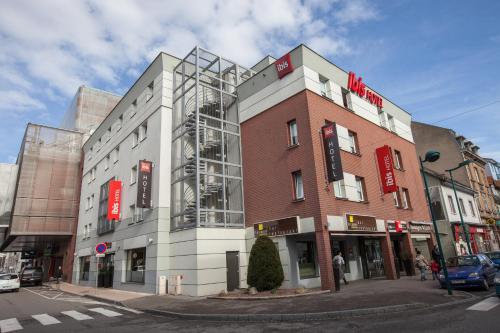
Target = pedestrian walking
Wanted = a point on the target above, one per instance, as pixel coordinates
(422, 265)
(338, 270)
(435, 270)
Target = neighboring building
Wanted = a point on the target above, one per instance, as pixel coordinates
(8, 177)
(455, 149)
(282, 109)
(493, 176)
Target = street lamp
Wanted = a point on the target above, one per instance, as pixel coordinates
(433, 156)
(466, 232)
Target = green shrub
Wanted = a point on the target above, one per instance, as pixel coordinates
(264, 267)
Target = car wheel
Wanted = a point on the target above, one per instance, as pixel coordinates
(485, 285)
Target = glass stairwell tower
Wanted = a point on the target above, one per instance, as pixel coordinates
(207, 185)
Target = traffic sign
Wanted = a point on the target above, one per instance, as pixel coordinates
(101, 248)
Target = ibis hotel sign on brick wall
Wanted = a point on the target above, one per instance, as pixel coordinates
(144, 184)
(357, 86)
(332, 152)
(284, 65)
(386, 169)
(114, 199)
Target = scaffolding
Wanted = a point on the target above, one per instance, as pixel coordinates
(207, 186)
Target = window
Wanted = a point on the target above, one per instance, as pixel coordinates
(91, 202)
(472, 211)
(398, 160)
(306, 260)
(103, 224)
(98, 144)
(353, 142)
(381, 118)
(133, 108)
(477, 175)
(84, 268)
(89, 230)
(323, 86)
(135, 138)
(108, 134)
(136, 265)
(91, 150)
(360, 189)
(116, 153)
(149, 93)
(452, 205)
(92, 173)
(339, 188)
(106, 162)
(397, 198)
(120, 123)
(143, 131)
(293, 138)
(406, 199)
(298, 185)
(392, 125)
(85, 231)
(136, 213)
(133, 175)
(462, 206)
(344, 98)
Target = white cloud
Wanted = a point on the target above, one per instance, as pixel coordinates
(14, 100)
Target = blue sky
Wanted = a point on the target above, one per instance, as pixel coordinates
(435, 59)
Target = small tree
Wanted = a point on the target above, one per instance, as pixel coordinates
(264, 268)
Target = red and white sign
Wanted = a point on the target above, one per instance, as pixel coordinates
(114, 199)
(101, 248)
(284, 65)
(386, 169)
(398, 226)
(356, 85)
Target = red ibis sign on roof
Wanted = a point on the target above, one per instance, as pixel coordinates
(356, 85)
(284, 65)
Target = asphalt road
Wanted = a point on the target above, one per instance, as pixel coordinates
(40, 309)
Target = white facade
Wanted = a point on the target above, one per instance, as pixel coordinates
(470, 212)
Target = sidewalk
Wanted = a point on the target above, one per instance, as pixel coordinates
(357, 298)
(103, 294)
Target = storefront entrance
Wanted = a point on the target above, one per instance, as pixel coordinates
(372, 258)
(106, 271)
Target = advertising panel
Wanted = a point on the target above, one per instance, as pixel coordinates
(332, 153)
(114, 199)
(144, 184)
(284, 66)
(386, 169)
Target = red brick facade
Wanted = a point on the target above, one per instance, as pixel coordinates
(269, 161)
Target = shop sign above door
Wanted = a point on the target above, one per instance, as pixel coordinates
(285, 226)
(397, 226)
(361, 223)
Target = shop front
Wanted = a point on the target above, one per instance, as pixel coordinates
(363, 243)
(479, 237)
(401, 247)
(421, 237)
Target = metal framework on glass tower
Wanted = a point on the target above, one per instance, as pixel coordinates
(207, 184)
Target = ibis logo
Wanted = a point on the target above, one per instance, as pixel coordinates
(357, 86)
(284, 65)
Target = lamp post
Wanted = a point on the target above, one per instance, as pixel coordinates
(433, 156)
(466, 232)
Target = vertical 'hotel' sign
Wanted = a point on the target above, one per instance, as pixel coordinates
(384, 159)
(332, 152)
(144, 184)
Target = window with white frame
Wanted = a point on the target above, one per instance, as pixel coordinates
(472, 210)
(98, 144)
(143, 131)
(293, 138)
(398, 160)
(406, 199)
(149, 91)
(85, 231)
(136, 214)
(92, 173)
(91, 150)
(381, 118)
(452, 205)
(106, 162)
(462, 206)
(108, 134)
(339, 188)
(323, 86)
(353, 142)
(120, 123)
(133, 108)
(91, 203)
(135, 138)
(392, 124)
(397, 198)
(133, 175)
(298, 186)
(89, 230)
(360, 188)
(116, 154)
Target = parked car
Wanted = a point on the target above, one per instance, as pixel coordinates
(469, 271)
(9, 282)
(497, 284)
(495, 257)
(32, 275)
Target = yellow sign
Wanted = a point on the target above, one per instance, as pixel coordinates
(490, 221)
(261, 227)
(351, 218)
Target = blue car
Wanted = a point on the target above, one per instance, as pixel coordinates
(470, 271)
(494, 256)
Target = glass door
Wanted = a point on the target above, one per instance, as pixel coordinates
(373, 258)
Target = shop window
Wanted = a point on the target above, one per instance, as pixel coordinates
(298, 186)
(462, 206)
(136, 265)
(472, 210)
(339, 188)
(406, 199)
(306, 260)
(398, 160)
(452, 205)
(360, 189)
(84, 268)
(293, 138)
(353, 142)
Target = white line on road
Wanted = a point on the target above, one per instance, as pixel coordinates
(485, 305)
(106, 312)
(128, 309)
(9, 325)
(77, 315)
(34, 292)
(45, 319)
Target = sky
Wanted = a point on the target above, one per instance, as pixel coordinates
(437, 60)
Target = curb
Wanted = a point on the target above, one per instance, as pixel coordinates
(260, 298)
(288, 316)
(95, 298)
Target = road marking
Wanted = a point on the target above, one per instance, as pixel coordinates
(34, 292)
(77, 315)
(106, 312)
(9, 325)
(128, 309)
(485, 305)
(45, 319)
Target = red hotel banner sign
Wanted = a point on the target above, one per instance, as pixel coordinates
(384, 159)
(284, 65)
(332, 152)
(114, 199)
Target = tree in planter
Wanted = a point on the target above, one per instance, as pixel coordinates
(264, 268)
